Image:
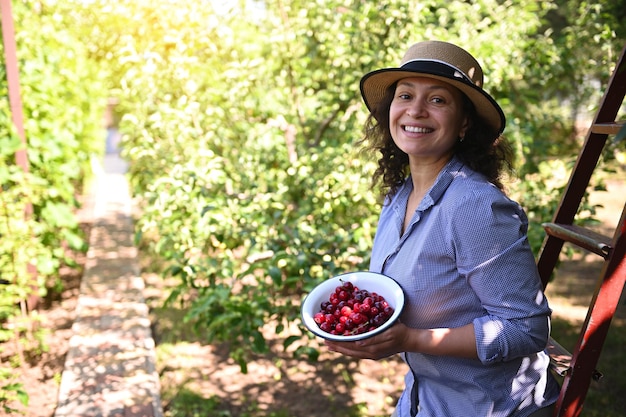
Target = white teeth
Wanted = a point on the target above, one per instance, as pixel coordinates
(415, 129)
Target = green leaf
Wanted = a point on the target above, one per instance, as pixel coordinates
(276, 274)
(290, 340)
(59, 215)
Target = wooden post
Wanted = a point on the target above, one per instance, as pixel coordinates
(15, 102)
(13, 80)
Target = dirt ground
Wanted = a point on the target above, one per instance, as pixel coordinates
(277, 381)
(332, 386)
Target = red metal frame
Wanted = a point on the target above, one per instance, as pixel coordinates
(595, 329)
(611, 281)
(585, 165)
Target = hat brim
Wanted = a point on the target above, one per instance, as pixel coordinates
(374, 86)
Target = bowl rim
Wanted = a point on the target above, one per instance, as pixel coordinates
(309, 323)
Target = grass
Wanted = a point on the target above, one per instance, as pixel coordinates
(187, 403)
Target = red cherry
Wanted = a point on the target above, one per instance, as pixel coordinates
(358, 318)
(349, 324)
(380, 319)
(350, 310)
(364, 308)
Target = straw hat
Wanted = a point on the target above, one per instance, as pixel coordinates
(441, 61)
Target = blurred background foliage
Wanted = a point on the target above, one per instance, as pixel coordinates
(62, 94)
(240, 121)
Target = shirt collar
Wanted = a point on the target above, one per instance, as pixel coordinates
(450, 171)
(441, 184)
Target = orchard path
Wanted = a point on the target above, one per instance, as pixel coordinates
(110, 367)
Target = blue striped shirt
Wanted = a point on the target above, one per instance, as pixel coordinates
(465, 258)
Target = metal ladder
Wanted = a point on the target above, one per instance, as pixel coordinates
(579, 367)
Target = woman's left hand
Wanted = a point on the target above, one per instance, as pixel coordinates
(382, 345)
(458, 342)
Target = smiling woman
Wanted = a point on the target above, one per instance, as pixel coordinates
(475, 322)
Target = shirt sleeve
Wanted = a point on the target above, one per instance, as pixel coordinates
(494, 255)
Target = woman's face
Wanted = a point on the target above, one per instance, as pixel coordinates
(426, 118)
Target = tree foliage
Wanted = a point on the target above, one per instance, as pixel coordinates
(242, 137)
(62, 102)
(241, 124)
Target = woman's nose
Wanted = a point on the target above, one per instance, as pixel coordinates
(416, 110)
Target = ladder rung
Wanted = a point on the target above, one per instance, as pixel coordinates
(561, 360)
(584, 238)
(607, 128)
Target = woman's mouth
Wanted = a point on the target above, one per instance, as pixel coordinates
(417, 129)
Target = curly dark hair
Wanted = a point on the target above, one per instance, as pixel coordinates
(482, 149)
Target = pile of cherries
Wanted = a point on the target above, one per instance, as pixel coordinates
(350, 310)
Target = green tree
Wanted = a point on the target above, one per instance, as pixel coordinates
(241, 126)
(62, 123)
(242, 137)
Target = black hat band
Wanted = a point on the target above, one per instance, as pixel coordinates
(437, 68)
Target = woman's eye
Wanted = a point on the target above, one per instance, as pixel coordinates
(438, 100)
(404, 96)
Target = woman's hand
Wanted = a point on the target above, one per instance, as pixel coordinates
(385, 344)
(458, 342)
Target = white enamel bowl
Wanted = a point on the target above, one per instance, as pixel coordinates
(370, 281)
